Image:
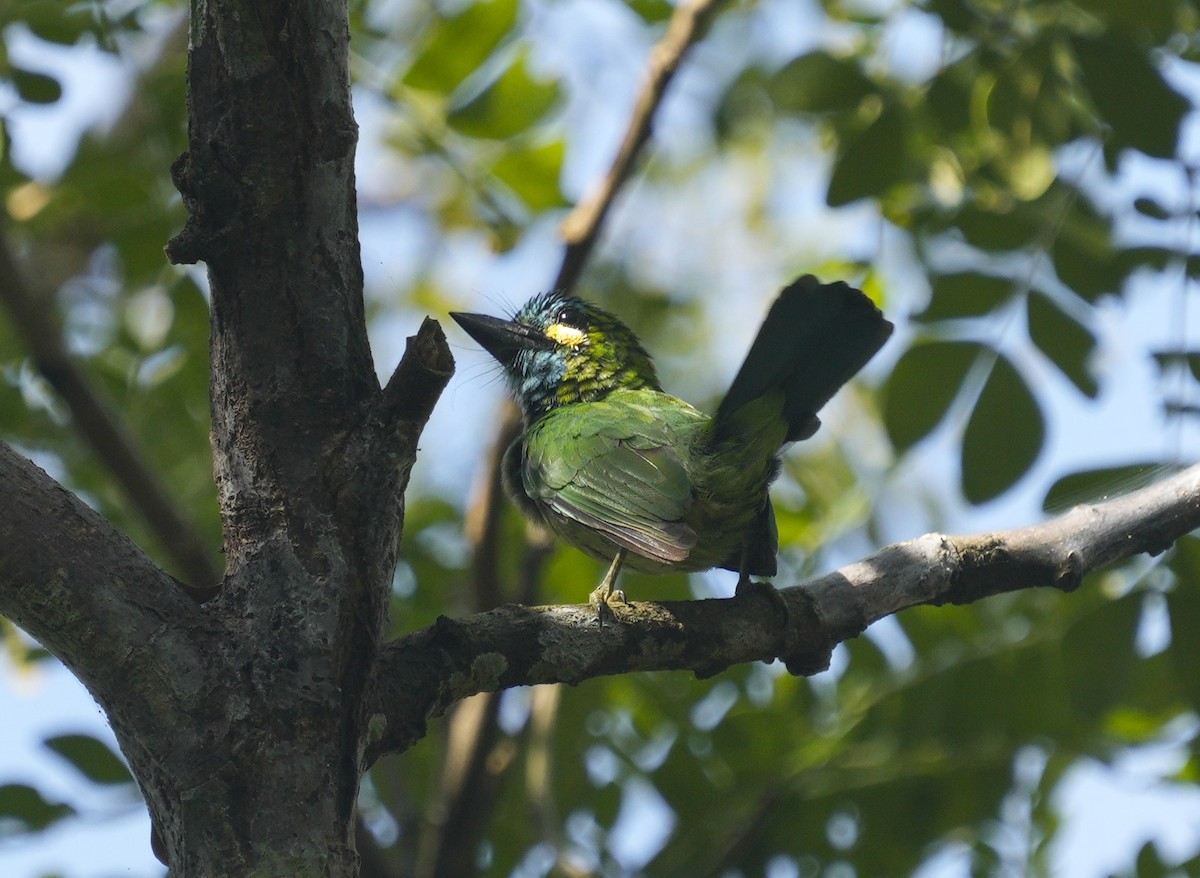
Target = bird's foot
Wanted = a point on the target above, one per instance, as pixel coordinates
(765, 590)
(604, 598)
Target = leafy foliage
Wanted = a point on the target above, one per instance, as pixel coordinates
(996, 164)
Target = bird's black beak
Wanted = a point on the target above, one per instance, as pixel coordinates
(503, 339)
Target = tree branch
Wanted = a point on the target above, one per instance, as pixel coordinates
(517, 645)
(101, 429)
(581, 228)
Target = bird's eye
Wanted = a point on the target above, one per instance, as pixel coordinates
(569, 315)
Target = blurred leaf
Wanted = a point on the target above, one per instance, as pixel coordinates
(921, 387)
(22, 809)
(966, 294)
(958, 15)
(1143, 111)
(819, 83)
(1190, 359)
(1151, 208)
(1004, 434)
(37, 88)
(91, 757)
(1083, 250)
(1067, 343)
(870, 161)
(454, 47)
(512, 103)
(533, 174)
(1101, 658)
(651, 11)
(62, 23)
(1089, 486)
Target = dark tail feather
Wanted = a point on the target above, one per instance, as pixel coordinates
(815, 338)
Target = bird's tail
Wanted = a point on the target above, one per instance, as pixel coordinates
(814, 339)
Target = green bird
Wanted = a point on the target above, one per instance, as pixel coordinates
(632, 475)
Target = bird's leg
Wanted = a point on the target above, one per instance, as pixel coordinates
(605, 595)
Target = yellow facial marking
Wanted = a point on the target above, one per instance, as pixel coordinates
(568, 335)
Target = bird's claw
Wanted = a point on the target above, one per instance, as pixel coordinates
(603, 599)
(765, 590)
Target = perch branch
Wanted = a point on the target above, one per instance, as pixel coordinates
(517, 645)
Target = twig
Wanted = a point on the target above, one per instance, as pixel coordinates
(103, 431)
(516, 645)
(581, 228)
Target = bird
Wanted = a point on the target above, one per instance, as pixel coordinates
(612, 464)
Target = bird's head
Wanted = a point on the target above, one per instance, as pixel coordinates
(559, 350)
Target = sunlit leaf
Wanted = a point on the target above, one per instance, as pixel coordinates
(512, 103)
(533, 174)
(455, 46)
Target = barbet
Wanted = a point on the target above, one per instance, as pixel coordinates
(635, 476)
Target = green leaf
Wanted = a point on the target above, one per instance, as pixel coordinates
(1149, 207)
(512, 103)
(966, 294)
(23, 809)
(55, 22)
(1142, 109)
(1191, 359)
(921, 387)
(91, 757)
(870, 161)
(37, 88)
(533, 174)
(998, 229)
(1088, 486)
(454, 47)
(819, 83)
(1068, 343)
(1004, 434)
(1101, 650)
(651, 11)
(1083, 253)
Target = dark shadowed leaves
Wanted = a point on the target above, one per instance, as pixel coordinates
(91, 757)
(965, 294)
(922, 386)
(1088, 486)
(23, 809)
(819, 83)
(1004, 434)
(872, 160)
(1141, 109)
(1064, 340)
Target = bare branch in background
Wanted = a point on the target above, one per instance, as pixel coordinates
(104, 432)
(582, 226)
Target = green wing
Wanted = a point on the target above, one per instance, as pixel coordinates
(616, 467)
